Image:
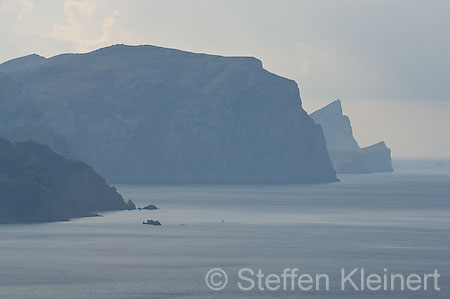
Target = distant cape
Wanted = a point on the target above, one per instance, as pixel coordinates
(146, 114)
(345, 153)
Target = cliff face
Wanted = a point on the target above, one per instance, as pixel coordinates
(155, 115)
(345, 153)
(336, 126)
(37, 185)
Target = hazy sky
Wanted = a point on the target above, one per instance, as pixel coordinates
(388, 61)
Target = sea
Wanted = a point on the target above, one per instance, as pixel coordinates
(236, 241)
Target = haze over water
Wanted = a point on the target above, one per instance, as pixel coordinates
(399, 221)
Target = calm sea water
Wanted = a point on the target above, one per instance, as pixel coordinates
(398, 221)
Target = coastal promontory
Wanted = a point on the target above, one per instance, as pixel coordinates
(345, 153)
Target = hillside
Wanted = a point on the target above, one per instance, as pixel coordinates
(37, 185)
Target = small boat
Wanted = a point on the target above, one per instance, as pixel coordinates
(152, 222)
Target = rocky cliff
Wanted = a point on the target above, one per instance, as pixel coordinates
(345, 153)
(155, 115)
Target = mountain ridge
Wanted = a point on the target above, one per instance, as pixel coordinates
(21, 63)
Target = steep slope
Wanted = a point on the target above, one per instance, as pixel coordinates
(156, 115)
(37, 185)
(345, 153)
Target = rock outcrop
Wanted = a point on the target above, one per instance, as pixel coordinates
(150, 207)
(345, 153)
(38, 185)
(147, 114)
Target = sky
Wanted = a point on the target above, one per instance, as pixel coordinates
(388, 61)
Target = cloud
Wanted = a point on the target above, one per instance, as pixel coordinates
(107, 25)
(18, 7)
(83, 27)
